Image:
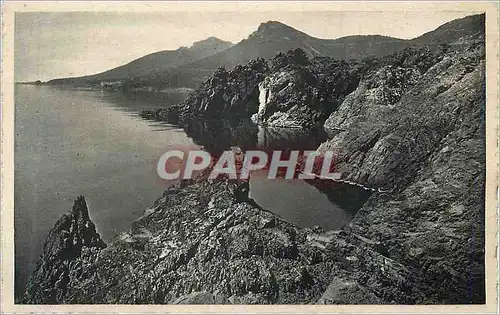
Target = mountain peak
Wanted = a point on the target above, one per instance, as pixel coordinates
(273, 29)
(211, 42)
(273, 24)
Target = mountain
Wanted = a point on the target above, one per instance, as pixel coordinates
(273, 37)
(188, 67)
(452, 31)
(270, 39)
(156, 62)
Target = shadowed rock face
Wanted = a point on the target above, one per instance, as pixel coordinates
(426, 143)
(73, 238)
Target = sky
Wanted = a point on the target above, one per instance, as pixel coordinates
(50, 45)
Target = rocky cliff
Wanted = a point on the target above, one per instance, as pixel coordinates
(67, 254)
(225, 93)
(207, 242)
(420, 132)
(411, 125)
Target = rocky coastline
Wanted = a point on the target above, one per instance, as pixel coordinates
(411, 124)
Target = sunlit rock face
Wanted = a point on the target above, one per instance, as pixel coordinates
(264, 96)
(301, 92)
(285, 100)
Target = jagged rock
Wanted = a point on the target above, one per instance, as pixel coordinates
(224, 93)
(426, 146)
(204, 244)
(74, 236)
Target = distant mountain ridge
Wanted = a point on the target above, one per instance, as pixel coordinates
(158, 61)
(273, 37)
(189, 67)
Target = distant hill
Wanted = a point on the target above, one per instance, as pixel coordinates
(189, 66)
(451, 31)
(156, 62)
(273, 37)
(268, 40)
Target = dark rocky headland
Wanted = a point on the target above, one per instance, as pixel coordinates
(411, 124)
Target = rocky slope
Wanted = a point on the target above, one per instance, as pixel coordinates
(421, 133)
(206, 242)
(153, 64)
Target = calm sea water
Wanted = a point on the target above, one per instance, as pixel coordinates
(93, 143)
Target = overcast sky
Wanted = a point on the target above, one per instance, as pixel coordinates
(62, 44)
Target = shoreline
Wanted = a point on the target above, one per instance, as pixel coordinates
(146, 89)
(306, 252)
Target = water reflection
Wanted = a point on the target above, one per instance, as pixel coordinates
(289, 139)
(348, 197)
(217, 136)
(306, 202)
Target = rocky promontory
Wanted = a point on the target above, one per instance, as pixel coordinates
(207, 242)
(224, 93)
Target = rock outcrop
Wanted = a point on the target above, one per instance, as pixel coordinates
(301, 93)
(207, 242)
(225, 93)
(292, 92)
(70, 247)
(420, 133)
